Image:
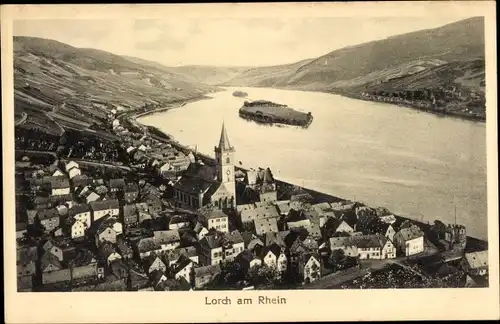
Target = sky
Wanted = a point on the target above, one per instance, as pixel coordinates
(224, 42)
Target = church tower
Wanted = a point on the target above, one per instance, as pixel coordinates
(224, 156)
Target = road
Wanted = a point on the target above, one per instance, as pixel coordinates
(100, 164)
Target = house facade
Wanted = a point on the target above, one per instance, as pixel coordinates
(105, 207)
(309, 268)
(409, 241)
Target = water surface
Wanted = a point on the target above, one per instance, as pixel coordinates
(416, 164)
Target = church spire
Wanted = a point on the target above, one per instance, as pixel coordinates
(224, 140)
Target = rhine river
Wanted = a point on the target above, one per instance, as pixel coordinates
(416, 164)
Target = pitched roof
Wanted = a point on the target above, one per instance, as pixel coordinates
(117, 183)
(258, 204)
(267, 211)
(27, 254)
(71, 164)
(49, 258)
(283, 206)
(410, 233)
(47, 214)
(168, 236)
(59, 182)
(83, 258)
(192, 185)
(477, 260)
(104, 223)
(147, 244)
(296, 216)
(207, 270)
(201, 171)
(213, 241)
(150, 259)
(129, 210)
(106, 249)
(369, 241)
(246, 256)
(156, 276)
(314, 230)
(274, 238)
(209, 213)
(131, 187)
(224, 140)
(338, 242)
(173, 255)
(78, 209)
(104, 204)
(263, 226)
(181, 263)
(234, 237)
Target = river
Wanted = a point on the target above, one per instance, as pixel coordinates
(416, 164)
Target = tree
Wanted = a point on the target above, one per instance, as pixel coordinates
(439, 228)
(231, 274)
(261, 275)
(36, 229)
(336, 256)
(339, 261)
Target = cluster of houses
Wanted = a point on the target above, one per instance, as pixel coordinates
(116, 234)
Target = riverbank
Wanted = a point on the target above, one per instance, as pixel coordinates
(351, 95)
(207, 159)
(414, 105)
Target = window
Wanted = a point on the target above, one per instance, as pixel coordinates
(228, 160)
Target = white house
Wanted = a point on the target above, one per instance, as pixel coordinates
(116, 123)
(269, 258)
(215, 219)
(59, 186)
(309, 268)
(282, 262)
(71, 164)
(388, 250)
(182, 269)
(81, 213)
(201, 231)
(92, 197)
(410, 240)
(105, 207)
(344, 227)
(78, 229)
(73, 172)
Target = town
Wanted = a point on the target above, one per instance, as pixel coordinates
(141, 212)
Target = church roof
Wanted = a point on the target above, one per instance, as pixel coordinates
(224, 140)
(192, 185)
(201, 171)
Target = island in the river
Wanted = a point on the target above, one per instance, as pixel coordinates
(267, 112)
(240, 94)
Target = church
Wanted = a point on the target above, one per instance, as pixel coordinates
(202, 185)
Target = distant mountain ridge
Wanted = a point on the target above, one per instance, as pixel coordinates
(77, 87)
(347, 67)
(206, 74)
